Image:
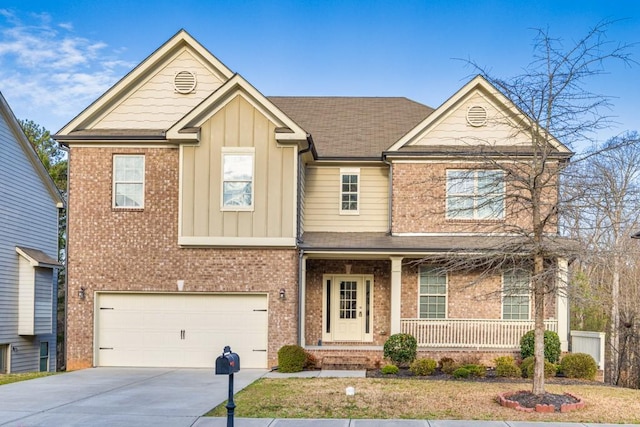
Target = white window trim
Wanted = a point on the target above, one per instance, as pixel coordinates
(113, 183)
(474, 211)
(343, 172)
(503, 294)
(238, 151)
(446, 295)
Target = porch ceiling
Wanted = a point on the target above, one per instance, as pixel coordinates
(372, 243)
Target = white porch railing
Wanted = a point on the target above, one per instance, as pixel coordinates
(470, 333)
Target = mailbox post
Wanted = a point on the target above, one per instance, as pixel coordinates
(227, 364)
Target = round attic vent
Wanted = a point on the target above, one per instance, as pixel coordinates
(184, 82)
(477, 115)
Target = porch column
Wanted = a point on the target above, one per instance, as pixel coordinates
(396, 293)
(303, 299)
(562, 305)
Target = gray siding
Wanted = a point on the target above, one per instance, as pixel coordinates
(28, 217)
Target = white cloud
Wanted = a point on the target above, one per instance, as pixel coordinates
(48, 73)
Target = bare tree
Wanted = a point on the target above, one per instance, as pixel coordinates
(554, 111)
(607, 185)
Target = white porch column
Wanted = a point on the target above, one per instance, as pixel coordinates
(396, 293)
(303, 299)
(562, 303)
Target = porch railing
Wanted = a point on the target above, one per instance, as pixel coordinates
(470, 333)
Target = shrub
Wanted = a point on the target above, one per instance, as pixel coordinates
(423, 367)
(390, 369)
(291, 358)
(506, 367)
(528, 366)
(579, 365)
(448, 365)
(461, 373)
(551, 345)
(476, 370)
(401, 349)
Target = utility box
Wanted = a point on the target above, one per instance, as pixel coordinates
(228, 363)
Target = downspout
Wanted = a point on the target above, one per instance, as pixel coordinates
(309, 148)
(390, 201)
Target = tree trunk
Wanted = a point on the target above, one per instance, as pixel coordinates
(614, 337)
(538, 303)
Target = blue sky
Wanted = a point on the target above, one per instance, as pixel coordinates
(56, 57)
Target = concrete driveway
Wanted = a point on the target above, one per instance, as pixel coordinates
(118, 397)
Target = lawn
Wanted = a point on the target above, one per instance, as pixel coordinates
(12, 378)
(420, 399)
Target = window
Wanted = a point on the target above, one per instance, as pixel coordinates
(515, 295)
(44, 357)
(4, 358)
(237, 179)
(128, 181)
(349, 190)
(433, 293)
(475, 194)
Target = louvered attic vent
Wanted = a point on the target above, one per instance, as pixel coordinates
(184, 82)
(477, 116)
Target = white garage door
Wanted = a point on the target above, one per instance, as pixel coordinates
(180, 330)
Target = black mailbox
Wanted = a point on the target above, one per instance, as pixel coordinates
(228, 363)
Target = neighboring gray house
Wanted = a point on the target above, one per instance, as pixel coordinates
(29, 210)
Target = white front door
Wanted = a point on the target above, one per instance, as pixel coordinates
(349, 310)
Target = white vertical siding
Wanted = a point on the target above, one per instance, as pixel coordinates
(28, 217)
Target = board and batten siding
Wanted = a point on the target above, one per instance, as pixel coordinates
(28, 217)
(156, 104)
(238, 124)
(322, 200)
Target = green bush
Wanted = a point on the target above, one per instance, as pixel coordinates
(551, 345)
(291, 358)
(448, 365)
(461, 373)
(390, 369)
(528, 366)
(506, 367)
(401, 349)
(423, 367)
(579, 365)
(476, 370)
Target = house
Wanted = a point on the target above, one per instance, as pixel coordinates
(28, 253)
(204, 214)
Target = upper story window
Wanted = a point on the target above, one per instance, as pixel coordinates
(237, 179)
(349, 191)
(128, 181)
(433, 293)
(475, 194)
(516, 295)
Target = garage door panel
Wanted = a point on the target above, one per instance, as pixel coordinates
(181, 330)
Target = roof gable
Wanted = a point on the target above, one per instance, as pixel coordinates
(451, 126)
(138, 90)
(186, 129)
(14, 126)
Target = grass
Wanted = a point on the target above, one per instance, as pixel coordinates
(417, 399)
(14, 378)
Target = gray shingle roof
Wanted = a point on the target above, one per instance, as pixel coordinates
(353, 127)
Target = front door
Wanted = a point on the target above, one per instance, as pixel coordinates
(349, 311)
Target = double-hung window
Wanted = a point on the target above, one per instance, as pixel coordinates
(349, 191)
(237, 179)
(475, 194)
(128, 181)
(516, 295)
(433, 293)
